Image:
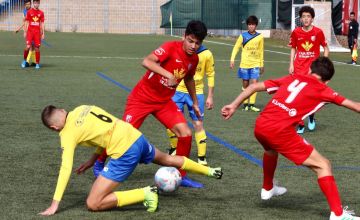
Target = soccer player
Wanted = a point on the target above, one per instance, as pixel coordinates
(92, 126)
(296, 96)
(166, 66)
(34, 32)
(353, 35)
(252, 58)
(305, 45)
(182, 98)
(31, 56)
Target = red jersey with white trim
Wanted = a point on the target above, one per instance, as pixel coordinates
(35, 16)
(296, 97)
(307, 45)
(172, 57)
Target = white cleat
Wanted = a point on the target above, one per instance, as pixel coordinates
(275, 191)
(347, 215)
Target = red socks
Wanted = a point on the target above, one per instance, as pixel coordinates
(37, 55)
(269, 166)
(103, 156)
(328, 187)
(183, 149)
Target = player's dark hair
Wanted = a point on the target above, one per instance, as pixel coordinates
(27, 1)
(323, 67)
(252, 19)
(352, 13)
(197, 28)
(307, 9)
(46, 115)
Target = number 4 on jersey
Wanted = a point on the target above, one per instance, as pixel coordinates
(294, 88)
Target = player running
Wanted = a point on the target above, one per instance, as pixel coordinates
(34, 32)
(296, 96)
(305, 45)
(92, 126)
(252, 59)
(182, 98)
(166, 67)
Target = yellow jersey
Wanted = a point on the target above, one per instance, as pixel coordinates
(252, 54)
(205, 66)
(91, 126)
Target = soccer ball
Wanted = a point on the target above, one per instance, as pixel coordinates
(168, 179)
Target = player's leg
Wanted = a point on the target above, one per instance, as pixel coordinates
(254, 76)
(301, 128)
(186, 164)
(245, 76)
(27, 49)
(37, 43)
(311, 122)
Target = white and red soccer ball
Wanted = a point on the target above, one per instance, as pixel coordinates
(167, 179)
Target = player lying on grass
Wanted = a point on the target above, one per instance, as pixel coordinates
(296, 96)
(126, 146)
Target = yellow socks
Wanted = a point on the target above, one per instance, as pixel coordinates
(253, 98)
(172, 138)
(130, 197)
(200, 138)
(31, 57)
(193, 167)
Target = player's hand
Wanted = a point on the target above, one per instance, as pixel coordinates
(227, 111)
(24, 34)
(355, 41)
(262, 70)
(51, 210)
(197, 112)
(172, 82)
(232, 64)
(209, 103)
(291, 69)
(83, 167)
(43, 36)
(17, 31)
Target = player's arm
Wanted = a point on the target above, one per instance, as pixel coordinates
(26, 26)
(88, 164)
(261, 51)
(326, 51)
(210, 74)
(63, 179)
(228, 110)
(151, 62)
(42, 30)
(190, 86)
(292, 57)
(235, 50)
(352, 105)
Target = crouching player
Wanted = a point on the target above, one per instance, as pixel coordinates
(297, 96)
(126, 146)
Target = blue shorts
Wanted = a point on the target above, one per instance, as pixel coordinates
(121, 168)
(251, 73)
(181, 99)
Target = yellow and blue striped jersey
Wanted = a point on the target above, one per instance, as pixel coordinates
(205, 66)
(252, 54)
(91, 126)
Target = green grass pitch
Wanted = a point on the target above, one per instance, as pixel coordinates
(31, 156)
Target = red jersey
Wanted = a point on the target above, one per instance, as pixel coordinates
(35, 17)
(172, 57)
(307, 45)
(297, 96)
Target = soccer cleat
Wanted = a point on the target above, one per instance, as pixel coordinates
(347, 215)
(254, 109)
(216, 172)
(353, 63)
(172, 151)
(151, 198)
(37, 66)
(202, 161)
(187, 182)
(245, 108)
(24, 64)
(275, 191)
(311, 125)
(98, 167)
(300, 130)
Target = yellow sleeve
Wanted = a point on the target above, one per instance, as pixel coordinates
(65, 169)
(236, 48)
(261, 48)
(210, 70)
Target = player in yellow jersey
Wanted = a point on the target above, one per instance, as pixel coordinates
(93, 127)
(252, 59)
(182, 98)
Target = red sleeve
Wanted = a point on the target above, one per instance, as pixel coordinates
(28, 18)
(329, 95)
(322, 39)
(293, 39)
(272, 85)
(42, 19)
(163, 52)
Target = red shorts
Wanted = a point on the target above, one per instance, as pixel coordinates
(167, 113)
(286, 142)
(33, 36)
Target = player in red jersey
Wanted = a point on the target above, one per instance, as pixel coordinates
(305, 45)
(296, 97)
(34, 31)
(166, 67)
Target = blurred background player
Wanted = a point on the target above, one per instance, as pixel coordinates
(91, 126)
(34, 32)
(166, 66)
(296, 96)
(252, 58)
(353, 36)
(305, 45)
(31, 56)
(182, 98)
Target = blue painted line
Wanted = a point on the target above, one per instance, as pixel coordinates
(45, 43)
(231, 147)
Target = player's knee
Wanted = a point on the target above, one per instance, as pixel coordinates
(92, 205)
(181, 130)
(198, 126)
(326, 165)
